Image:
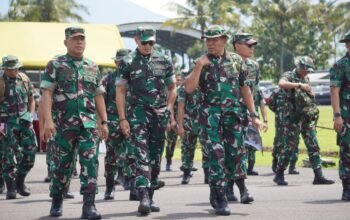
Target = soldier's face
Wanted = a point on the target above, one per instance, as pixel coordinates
(75, 45)
(146, 47)
(244, 50)
(216, 46)
(11, 72)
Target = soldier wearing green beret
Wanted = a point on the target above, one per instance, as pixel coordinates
(300, 115)
(340, 96)
(72, 98)
(222, 80)
(19, 143)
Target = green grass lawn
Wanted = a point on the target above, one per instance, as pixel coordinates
(326, 139)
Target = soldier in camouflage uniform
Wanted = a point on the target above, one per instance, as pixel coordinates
(222, 79)
(114, 161)
(340, 95)
(147, 73)
(188, 106)
(300, 115)
(71, 88)
(19, 143)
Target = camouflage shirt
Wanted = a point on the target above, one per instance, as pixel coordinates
(220, 82)
(108, 82)
(74, 84)
(15, 105)
(340, 77)
(147, 78)
(191, 102)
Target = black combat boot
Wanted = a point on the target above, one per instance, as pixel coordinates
(186, 176)
(21, 187)
(56, 205)
(320, 179)
(221, 207)
(160, 184)
(89, 209)
(134, 194)
(279, 178)
(245, 195)
(11, 189)
(2, 185)
(251, 171)
(68, 195)
(346, 190)
(144, 206)
(230, 195)
(109, 194)
(206, 175)
(153, 205)
(292, 170)
(274, 164)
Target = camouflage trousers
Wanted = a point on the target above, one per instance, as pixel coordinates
(292, 127)
(71, 142)
(277, 141)
(115, 151)
(19, 148)
(222, 135)
(343, 140)
(145, 146)
(171, 138)
(51, 157)
(189, 143)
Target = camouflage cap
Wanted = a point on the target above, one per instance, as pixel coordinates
(305, 63)
(10, 62)
(74, 31)
(243, 38)
(346, 38)
(215, 31)
(120, 54)
(146, 33)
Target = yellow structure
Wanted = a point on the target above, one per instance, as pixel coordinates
(35, 43)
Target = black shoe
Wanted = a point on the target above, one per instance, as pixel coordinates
(20, 186)
(47, 179)
(230, 195)
(154, 207)
(194, 169)
(186, 176)
(168, 167)
(2, 185)
(56, 205)
(89, 209)
(221, 207)
(293, 172)
(246, 197)
(144, 206)
(279, 178)
(346, 190)
(252, 173)
(320, 179)
(68, 195)
(109, 194)
(160, 184)
(11, 189)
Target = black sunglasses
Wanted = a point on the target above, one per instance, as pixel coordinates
(250, 45)
(144, 43)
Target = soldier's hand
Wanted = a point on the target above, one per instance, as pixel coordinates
(49, 130)
(168, 127)
(306, 87)
(124, 125)
(256, 123)
(203, 60)
(181, 131)
(104, 132)
(338, 124)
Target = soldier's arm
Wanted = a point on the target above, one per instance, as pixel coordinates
(101, 115)
(171, 102)
(180, 117)
(338, 121)
(49, 127)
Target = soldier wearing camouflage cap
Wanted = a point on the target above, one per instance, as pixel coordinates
(300, 115)
(114, 159)
(17, 107)
(340, 95)
(72, 97)
(222, 78)
(148, 76)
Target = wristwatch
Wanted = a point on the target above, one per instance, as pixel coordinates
(254, 115)
(104, 122)
(336, 115)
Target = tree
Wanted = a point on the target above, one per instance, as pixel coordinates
(45, 10)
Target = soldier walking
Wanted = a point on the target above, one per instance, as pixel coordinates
(147, 74)
(72, 97)
(340, 94)
(19, 143)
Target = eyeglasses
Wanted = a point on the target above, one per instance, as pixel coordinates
(144, 43)
(250, 45)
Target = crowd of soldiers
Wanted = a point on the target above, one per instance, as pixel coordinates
(137, 107)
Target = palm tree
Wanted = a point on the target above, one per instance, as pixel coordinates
(45, 10)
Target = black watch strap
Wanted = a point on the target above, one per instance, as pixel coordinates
(337, 115)
(104, 122)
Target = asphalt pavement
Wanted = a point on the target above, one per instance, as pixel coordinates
(299, 200)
